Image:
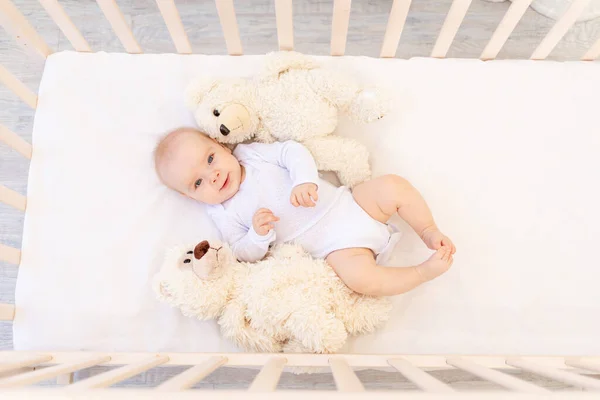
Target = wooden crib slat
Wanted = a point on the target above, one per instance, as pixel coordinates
(25, 362)
(119, 374)
(15, 141)
(559, 29)
(578, 363)
(62, 20)
(51, 372)
(507, 25)
(454, 19)
(491, 375)
(285, 24)
(174, 25)
(339, 26)
(593, 52)
(119, 25)
(268, 377)
(344, 377)
(65, 379)
(12, 198)
(17, 87)
(10, 254)
(419, 377)
(553, 373)
(191, 376)
(394, 28)
(7, 312)
(229, 25)
(17, 25)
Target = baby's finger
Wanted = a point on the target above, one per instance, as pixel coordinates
(265, 219)
(266, 228)
(313, 194)
(447, 242)
(307, 202)
(294, 200)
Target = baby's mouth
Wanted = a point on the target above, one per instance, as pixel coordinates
(225, 183)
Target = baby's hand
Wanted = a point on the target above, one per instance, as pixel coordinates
(262, 222)
(304, 195)
(434, 239)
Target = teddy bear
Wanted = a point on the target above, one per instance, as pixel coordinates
(292, 98)
(288, 302)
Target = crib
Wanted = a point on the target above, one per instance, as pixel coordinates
(21, 369)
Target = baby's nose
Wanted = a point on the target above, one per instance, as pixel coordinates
(216, 177)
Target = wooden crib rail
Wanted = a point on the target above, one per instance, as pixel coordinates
(12, 198)
(7, 313)
(119, 25)
(175, 27)
(454, 19)
(229, 24)
(10, 255)
(17, 87)
(412, 367)
(62, 20)
(507, 25)
(285, 24)
(559, 29)
(16, 24)
(339, 26)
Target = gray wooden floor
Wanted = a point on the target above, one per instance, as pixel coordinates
(312, 21)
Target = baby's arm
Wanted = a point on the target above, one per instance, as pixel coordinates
(251, 245)
(292, 156)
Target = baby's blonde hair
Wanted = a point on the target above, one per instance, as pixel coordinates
(162, 149)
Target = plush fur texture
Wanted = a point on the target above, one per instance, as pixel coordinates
(294, 98)
(288, 302)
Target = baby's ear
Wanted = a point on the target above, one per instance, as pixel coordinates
(197, 89)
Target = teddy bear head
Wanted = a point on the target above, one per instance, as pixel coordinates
(224, 108)
(196, 278)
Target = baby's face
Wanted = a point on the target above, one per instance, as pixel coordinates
(201, 169)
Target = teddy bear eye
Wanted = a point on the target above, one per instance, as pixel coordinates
(216, 113)
(187, 261)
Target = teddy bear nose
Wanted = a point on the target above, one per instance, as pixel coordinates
(224, 130)
(201, 249)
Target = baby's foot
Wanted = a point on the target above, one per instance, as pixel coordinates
(436, 265)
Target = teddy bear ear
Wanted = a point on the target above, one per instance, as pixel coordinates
(197, 89)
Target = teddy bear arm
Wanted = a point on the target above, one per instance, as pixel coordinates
(316, 330)
(336, 87)
(237, 328)
(348, 158)
(263, 135)
(281, 61)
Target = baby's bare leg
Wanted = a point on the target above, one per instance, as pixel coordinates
(357, 269)
(391, 194)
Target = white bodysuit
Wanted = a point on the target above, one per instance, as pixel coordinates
(272, 171)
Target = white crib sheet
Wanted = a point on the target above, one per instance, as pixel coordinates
(506, 153)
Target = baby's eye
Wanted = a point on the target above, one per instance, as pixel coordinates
(198, 183)
(211, 158)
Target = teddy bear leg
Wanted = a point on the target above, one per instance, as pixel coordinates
(318, 331)
(237, 328)
(364, 314)
(348, 158)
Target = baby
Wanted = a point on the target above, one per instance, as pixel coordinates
(261, 194)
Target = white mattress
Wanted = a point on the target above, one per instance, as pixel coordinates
(506, 153)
